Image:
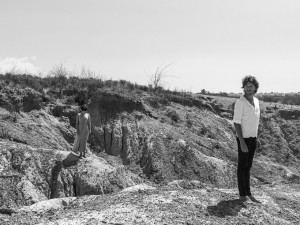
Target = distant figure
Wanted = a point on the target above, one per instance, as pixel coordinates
(246, 121)
(83, 129)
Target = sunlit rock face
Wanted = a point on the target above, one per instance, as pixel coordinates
(30, 175)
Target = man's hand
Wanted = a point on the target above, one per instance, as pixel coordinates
(244, 147)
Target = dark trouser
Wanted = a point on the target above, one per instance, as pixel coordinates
(245, 160)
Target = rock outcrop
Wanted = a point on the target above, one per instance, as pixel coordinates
(174, 145)
(30, 175)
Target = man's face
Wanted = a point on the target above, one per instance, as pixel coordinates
(249, 88)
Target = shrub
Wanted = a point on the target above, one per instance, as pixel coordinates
(82, 97)
(154, 102)
(211, 136)
(203, 130)
(173, 115)
(4, 133)
(189, 123)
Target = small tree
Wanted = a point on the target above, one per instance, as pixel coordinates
(61, 77)
(157, 79)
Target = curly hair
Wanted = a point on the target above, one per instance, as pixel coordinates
(252, 80)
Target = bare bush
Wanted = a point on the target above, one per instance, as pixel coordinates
(59, 70)
(89, 74)
(60, 74)
(157, 80)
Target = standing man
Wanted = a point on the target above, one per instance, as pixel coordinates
(246, 120)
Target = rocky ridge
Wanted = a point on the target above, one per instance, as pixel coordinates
(138, 138)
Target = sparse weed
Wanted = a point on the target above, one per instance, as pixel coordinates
(14, 116)
(203, 130)
(4, 133)
(217, 145)
(189, 123)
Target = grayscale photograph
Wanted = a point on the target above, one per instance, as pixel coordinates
(158, 112)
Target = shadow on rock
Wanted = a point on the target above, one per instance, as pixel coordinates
(70, 160)
(226, 208)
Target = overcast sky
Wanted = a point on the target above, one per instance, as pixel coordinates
(210, 44)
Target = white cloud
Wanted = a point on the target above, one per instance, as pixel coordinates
(18, 65)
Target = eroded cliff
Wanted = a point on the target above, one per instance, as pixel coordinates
(136, 137)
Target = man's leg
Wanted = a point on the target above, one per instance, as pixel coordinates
(251, 144)
(252, 147)
(241, 170)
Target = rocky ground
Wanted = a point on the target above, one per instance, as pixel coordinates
(179, 202)
(152, 159)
